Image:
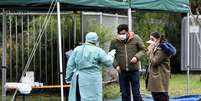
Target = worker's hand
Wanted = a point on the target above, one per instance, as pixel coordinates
(134, 60)
(112, 52)
(118, 69)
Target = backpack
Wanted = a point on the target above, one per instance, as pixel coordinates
(168, 48)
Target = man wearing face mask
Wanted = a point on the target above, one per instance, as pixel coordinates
(129, 49)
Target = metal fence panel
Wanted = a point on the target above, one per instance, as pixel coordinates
(22, 30)
(194, 48)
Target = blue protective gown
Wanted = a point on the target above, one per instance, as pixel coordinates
(85, 61)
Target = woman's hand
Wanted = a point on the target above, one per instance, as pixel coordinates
(150, 48)
(118, 69)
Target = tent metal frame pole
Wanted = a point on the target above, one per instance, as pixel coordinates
(130, 29)
(129, 17)
(188, 53)
(4, 56)
(60, 49)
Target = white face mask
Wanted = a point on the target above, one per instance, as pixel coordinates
(121, 37)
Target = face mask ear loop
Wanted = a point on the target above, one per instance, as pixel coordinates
(127, 36)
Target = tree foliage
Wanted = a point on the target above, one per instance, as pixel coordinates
(195, 6)
(104, 33)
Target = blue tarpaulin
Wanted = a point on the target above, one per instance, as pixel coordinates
(181, 98)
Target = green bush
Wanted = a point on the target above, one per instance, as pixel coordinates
(111, 91)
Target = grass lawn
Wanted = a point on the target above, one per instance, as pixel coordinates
(178, 85)
(34, 97)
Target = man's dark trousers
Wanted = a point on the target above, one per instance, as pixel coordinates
(127, 79)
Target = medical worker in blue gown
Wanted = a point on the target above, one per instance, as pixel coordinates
(84, 71)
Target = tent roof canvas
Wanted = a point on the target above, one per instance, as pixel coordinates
(164, 5)
(69, 4)
(156, 5)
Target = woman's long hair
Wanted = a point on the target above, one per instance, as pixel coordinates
(160, 36)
